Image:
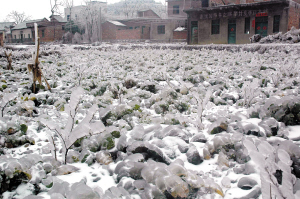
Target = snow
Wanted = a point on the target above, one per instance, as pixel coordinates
(161, 119)
(180, 29)
(117, 23)
(294, 133)
(86, 173)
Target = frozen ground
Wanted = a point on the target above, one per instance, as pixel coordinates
(157, 121)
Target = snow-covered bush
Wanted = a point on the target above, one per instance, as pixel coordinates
(72, 132)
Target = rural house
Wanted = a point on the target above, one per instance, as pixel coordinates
(237, 21)
(22, 33)
(48, 30)
(5, 31)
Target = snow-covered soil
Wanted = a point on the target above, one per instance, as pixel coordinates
(151, 121)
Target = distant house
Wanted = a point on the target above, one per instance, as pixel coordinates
(48, 30)
(110, 30)
(5, 31)
(147, 14)
(22, 33)
(238, 20)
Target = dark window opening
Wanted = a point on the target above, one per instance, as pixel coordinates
(176, 10)
(247, 25)
(215, 26)
(136, 27)
(204, 3)
(130, 27)
(161, 29)
(29, 36)
(63, 27)
(43, 33)
(276, 23)
(68, 17)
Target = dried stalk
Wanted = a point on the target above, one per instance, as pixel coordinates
(34, 67)
(9, 60)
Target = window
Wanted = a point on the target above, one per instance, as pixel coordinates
(15, 36)
(204, 3)
(161, 29)
(63, 27)
(215, 26)
(68, 17)
(176, 10)
(130, 27)
(247, 25)
(43, 33)
(276, 23)
(24, 36)
(143, 29)
(29, 36)
(136, 27)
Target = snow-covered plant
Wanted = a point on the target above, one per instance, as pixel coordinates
(250, 91)
(8, 97)
(276, 77)
(202, 99)
(81, 72)
(118, 91)
(74, 130)
(270, 162)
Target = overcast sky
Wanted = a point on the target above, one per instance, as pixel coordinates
(37, 9)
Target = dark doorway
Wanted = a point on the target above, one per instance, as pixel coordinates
(231, 31)
(261, 26)
(194, 32)
(204, 3)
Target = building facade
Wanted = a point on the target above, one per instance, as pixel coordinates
(5, 31)
(49, 31)
(237, 21)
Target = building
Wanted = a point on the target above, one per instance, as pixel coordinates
(22, 33)
(49, 31)
(78, 14)
(237, 20)
(5, 31)
(147, 14)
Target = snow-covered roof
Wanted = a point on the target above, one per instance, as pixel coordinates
(117, 23)
(5, 24)
(23, 24)
(180, 29)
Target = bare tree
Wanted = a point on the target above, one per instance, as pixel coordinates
(69, 4)
(93, 18)
(17, 17)
(55, 4)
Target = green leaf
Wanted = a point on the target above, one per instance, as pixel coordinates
(24, 128)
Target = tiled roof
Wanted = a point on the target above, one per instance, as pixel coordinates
(23, 24)
(5, 24)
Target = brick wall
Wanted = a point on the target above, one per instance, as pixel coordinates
(108, 31)
(51, 33)
(294, 15)
(180, 34)
(128, 34)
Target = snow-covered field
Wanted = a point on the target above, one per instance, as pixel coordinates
(154, 122)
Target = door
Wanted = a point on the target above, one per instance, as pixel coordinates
(231, 31)
(194, 32)
(261, 26)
